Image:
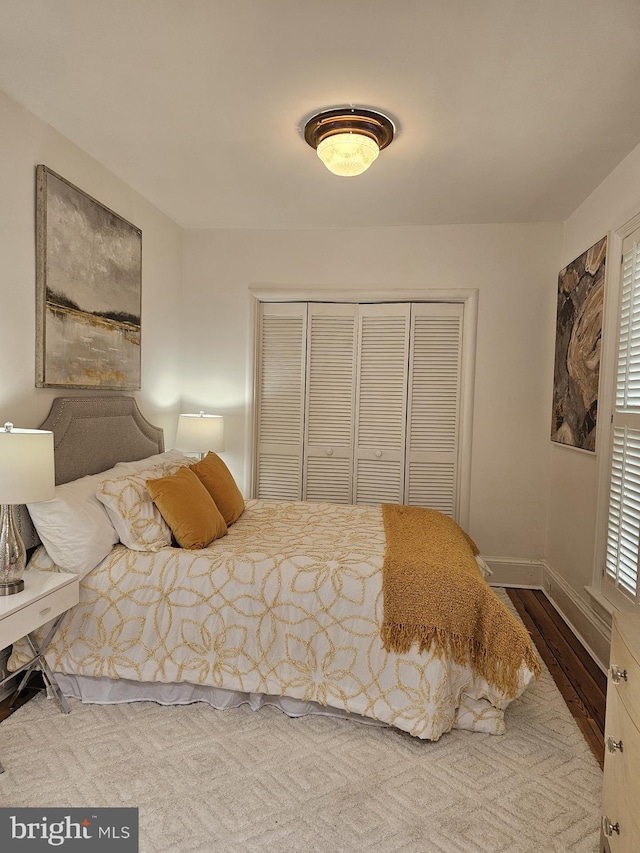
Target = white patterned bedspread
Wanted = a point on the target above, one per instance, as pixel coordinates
(288, 603)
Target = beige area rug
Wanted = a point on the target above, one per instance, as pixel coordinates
(210, 781)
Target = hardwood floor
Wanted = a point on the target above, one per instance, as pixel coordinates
(579, 679)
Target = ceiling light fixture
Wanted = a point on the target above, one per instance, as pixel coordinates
(348, 140)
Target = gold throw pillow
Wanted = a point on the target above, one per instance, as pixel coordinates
(188, 509)
(220, 484)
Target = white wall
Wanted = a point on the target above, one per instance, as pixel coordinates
(25, 141)
(514, 268)
(574, 476)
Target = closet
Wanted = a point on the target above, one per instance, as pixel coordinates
(359, 403)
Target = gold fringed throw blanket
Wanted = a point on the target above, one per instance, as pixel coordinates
(435, 596)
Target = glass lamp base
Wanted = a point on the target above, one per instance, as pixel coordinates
(12, 553)
(10, 587)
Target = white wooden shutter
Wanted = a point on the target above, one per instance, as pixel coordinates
(381, 403)
(280, 400)
(330, 402)
(434, 406)
(623, 531)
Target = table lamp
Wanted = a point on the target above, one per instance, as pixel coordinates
(200, 433)
(26, 474)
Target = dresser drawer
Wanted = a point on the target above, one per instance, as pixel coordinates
(625, 656)
(621, 796)
(21, 622)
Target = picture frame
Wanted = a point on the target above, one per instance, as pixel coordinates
(88, 290)
(577, 349)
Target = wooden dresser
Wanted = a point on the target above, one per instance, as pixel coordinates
(621, 795)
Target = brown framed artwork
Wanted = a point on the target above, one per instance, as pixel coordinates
(577, 353)
(88, 290)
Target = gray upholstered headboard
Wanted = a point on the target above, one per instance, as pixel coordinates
(91, 434)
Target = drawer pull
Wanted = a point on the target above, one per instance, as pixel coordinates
(45, 611)
(609, 828)
(613, 745)
(617, 674)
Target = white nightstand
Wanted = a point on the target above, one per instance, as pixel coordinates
(46, 596)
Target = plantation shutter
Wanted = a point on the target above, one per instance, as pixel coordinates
(280, 401)
(330, 402)
(381, 403)
(433, 406)
(623, 530)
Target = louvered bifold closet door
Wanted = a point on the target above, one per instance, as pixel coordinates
(620, 584)
(330, 402)
(280, 400)
(381, 403)
(433, 406)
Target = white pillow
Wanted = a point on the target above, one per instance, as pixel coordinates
(134, 515)
(74, 527)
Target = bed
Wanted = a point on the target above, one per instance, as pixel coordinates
(291, 606)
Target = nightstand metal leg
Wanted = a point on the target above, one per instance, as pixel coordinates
(53, 685)
(38, 662)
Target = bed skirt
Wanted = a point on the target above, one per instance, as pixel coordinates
(106, 691)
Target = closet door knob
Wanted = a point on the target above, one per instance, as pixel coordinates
(609, 828)
(378, 453)
(329, 451)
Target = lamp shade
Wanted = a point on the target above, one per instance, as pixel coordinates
(200, 433)
(27, 470)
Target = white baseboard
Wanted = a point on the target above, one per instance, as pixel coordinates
(590, 623)
(527, 574)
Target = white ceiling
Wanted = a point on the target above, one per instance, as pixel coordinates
(507, 110)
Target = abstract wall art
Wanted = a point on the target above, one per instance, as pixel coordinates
(88, 290)
(577, 352)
